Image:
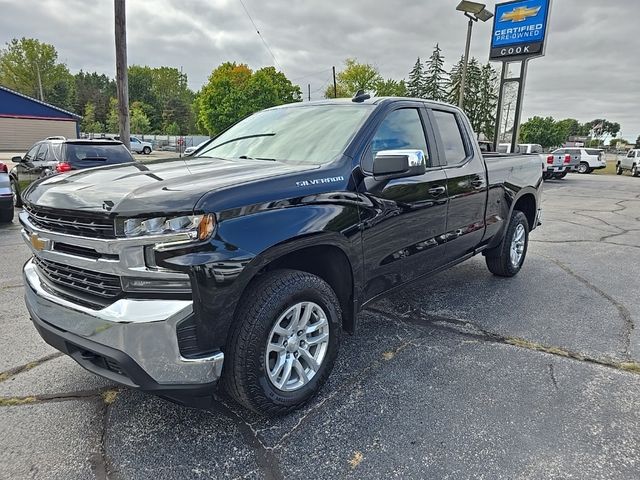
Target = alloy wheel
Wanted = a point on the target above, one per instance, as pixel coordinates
(517, 245)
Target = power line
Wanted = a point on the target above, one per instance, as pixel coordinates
(260, 35)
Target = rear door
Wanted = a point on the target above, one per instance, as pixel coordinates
(467, 185)
(404, 225)
(28, 170)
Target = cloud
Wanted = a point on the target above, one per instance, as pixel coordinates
(589, 71)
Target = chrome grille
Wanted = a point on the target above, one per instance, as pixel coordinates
(80, 280)
(70, 223)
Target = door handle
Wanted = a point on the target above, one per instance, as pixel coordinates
(477, 183)
(437, 191)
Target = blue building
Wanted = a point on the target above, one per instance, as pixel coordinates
(25, 120)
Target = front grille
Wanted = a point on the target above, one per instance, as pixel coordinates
(74, 279)
(72, 223)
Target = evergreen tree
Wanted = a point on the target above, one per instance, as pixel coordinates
(435, 76)
(453, 85)
(415, 84)
(488, 97)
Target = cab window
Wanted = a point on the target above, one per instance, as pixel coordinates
(451, 136)
(400, 130)
(42, 153)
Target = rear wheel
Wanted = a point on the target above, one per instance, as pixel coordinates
(584, 168)
(284, 343)
(507, 259)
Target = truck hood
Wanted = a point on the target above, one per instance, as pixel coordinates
(171, 185)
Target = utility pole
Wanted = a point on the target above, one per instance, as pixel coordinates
(463, 80)
(39, 81)
(309, 91)
(335, 85)
(122, 80)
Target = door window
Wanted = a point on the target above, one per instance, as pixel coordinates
(631, 154)
(42, 153)
(31, 154)
(400, 130)
(452, 140)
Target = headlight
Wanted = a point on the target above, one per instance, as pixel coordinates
(196, 227)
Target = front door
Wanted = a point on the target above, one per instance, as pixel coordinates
(405, 219)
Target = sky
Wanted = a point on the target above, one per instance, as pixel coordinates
(591, 68)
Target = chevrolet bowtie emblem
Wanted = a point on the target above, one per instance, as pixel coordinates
(38, 243)
(519, 14)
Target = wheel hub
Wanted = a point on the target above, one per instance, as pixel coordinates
(297, 346)
(517, 245)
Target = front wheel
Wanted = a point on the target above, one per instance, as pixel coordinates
(619, 170)
(284, 343)
(634, 171)
(17, 200)
(146, 150)
(507, 259)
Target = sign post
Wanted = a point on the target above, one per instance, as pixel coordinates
(519, 34)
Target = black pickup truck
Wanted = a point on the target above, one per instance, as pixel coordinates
(246, 262)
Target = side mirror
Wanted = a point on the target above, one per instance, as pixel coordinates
(16, 159)
(399, 163)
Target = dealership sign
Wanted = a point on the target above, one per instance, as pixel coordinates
(520, 29)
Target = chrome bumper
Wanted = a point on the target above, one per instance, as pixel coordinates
(143, 330)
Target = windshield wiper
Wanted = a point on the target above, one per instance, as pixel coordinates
(237, 139)
(245, 157)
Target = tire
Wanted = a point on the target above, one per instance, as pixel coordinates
(583, 168)
(251, 372)
(560, 176)
(6, 216)
(546, 176)
(590, 171)
(499, 260)
(634, 171)
(17, 199)
(146, 150)
(619, 170)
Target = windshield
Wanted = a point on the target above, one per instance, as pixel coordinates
(308, 135)
(94, 155)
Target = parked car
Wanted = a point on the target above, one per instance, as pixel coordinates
(528, 149)
(247, 265)
(191, 150)
(589, 159)
(558, 165)
(137, 145)
(630, 162)
(6, 195)
(48, 157)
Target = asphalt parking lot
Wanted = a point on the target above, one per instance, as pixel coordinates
(463, 375)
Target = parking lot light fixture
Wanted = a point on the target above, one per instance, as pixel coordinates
(473, 11)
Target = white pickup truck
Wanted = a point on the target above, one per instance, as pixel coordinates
(138, 146)
(631, 162)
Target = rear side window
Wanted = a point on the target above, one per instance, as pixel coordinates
(593, 152)
(536, 149)
(451, 136)
(94, 155)
(400, 130)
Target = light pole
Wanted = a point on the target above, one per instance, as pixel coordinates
(474, 12)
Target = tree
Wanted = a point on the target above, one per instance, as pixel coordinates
(89, 122)
(113, 123)
(32, 68)
(435, 77)
(487, 96)
(543, 131)
(355, 76)
(415, 83)
(234, 91)
(139, 121)
(95, 89)
(391, 88)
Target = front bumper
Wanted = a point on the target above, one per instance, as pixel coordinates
(132, 341)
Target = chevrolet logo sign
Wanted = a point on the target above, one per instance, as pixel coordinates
(519, 14)
(39, 244)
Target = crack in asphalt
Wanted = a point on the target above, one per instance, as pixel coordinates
(472, 330)
(52, 397)
(624, 313)
(12, 372)
(553, 376)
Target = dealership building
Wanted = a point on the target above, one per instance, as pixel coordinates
(25, 120)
